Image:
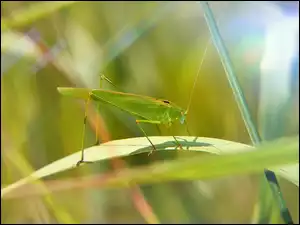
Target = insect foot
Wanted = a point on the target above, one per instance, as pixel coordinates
(150, 153)
(82, 162)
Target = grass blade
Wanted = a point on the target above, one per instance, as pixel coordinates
(242, 105)
(32, 13)
(226, 158)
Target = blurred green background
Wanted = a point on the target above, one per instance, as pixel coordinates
(147, 48)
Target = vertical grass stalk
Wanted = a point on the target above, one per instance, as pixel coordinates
(242, 105)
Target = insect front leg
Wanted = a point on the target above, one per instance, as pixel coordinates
(187, 128)
(176, 141)
(147, 121)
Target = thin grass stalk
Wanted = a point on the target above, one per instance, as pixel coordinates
(242, 105)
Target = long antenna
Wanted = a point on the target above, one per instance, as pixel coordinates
(197, 75)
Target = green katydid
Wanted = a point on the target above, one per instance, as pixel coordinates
(147, 109)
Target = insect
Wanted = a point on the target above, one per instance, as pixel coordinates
(146, 109)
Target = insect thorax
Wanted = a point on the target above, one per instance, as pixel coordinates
(172, 115)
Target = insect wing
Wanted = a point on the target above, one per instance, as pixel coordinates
(142, 106)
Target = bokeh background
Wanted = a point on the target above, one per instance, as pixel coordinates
(147, 48)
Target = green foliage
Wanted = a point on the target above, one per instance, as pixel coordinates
(152, 49)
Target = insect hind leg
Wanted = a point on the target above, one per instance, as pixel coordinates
(82, 161)
(177, 142)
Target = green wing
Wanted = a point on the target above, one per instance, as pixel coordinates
(142, 106)
(138, 105)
